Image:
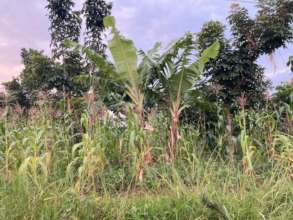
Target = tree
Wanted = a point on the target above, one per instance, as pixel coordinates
(40, 72)
(236, 71)
(95, 11)
(65, 25)
(284, 94)
(16, 94)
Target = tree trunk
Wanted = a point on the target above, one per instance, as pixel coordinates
(173, 137)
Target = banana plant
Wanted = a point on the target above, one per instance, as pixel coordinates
(177, 75)
(125, 58)
(126, 70)
(132, 75)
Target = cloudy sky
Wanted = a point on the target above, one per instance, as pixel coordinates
(24, 24)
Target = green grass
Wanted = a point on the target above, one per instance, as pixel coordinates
(63, 169)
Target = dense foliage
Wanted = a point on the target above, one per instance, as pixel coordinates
(236, 70)
(16, 94)
(40, 72)
(95, 11)
(65, 24)
(184, 132)
(50, 171)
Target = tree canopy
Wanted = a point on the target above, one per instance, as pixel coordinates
(40, 71)
(65, 24)
(236, 72)
(95, 11)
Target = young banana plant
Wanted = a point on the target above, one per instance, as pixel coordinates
(177, 78)
(124, 54)
(131, 76)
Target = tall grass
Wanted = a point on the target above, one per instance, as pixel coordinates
(53, 166)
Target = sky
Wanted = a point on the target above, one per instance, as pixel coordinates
(24, 24)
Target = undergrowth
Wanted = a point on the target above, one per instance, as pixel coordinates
(97, 168)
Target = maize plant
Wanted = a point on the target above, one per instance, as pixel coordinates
(246, 143)
(88, 159)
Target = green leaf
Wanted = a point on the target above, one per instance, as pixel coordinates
(109, 22)
(99, 61)
(124, 54)
(70, 44)
(211, 52)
